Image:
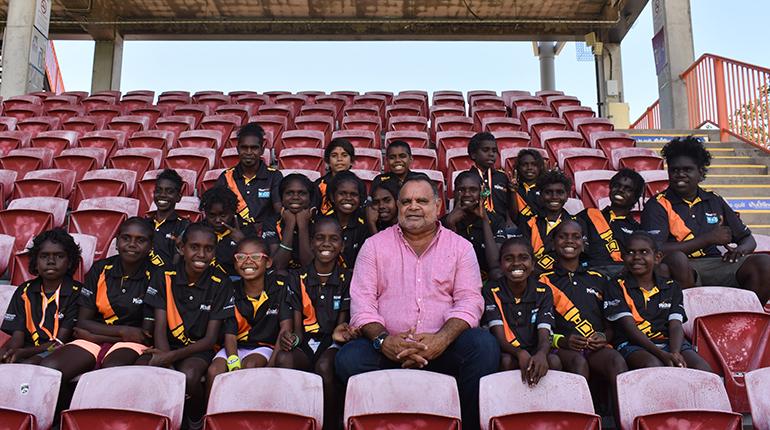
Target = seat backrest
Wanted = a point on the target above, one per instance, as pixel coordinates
(758, 389)
(600, 135)
(127, 205)
(658, 389)
(620, 153)
(126, 176)
(310, 174)
(566, 153)
(573, 206)
(591, 175)
(402, 391)
(504, 393)
(654, 175)
(65, 176)
(702, 301)
(291, 391)
(208, 153)
(53, 205)
(155, 154)
(6, 291)
(138, 388)
(32, 389)
(7, 178)
(98, 154)
(87, 244)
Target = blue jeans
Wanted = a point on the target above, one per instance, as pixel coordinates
(475, 353)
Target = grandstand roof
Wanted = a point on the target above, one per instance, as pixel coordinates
(343, 19)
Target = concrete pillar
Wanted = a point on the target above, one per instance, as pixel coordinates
(547, 55)
(24, 47)
(674, 53)
(108, 62)
(611, 85)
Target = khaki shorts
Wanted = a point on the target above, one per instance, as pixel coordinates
(713, 272)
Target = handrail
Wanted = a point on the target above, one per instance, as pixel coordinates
(650, 119)
(52, 70)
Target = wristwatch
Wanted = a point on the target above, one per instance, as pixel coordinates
(377, 342)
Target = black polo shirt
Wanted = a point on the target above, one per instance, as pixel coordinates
(651, 310)
(124, 304)
(699, 217)
(497, 183)
(577, 300)
(323, 302)
(210, 298)
(520, 317)
(473, 232)
(353, 237)
(259, 193)
(319, 197)
(598, 248)
(65, 309)
(392, 178)
(256, 320)
(223, 254)
(542, 239)
(272, 234)
(527, 200)
(163, 241)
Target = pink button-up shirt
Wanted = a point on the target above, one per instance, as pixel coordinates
(395, 287)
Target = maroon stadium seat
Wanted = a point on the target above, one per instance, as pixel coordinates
(554, 141)
(109, 140)
(139, 160)
(294, 101)
(558, 102)
(638, 159)
(415, 139)
(212, 101)
(27, 159)
(28, 217)
(406, 99)
(592, 185)
(83, 124)
(195, 111)
(424, 158)
(213, 139)
(10, 140)
(45, 183)
(7, 123)
(210, 178)
(571, 113)
(588, 126)
(300, 139)
(80, 160)
(157, 139)
(31, 403)
(23, 110)
(57, 141)
(104, 183)
(572, 160)
(198, 160)
(536, 126)
(37, 124)
(495, 124)
(65, 112)
(100, 217)
(511, 139)
(480, 113)
(528, 113)
(758, 388)
(522, 101)
(368, 159)
(273, 124)
(302, 158)
(408, 123)
(446, 140)
(129, 123)
(243, 112)
(151, 112)
(222, 123)
(609, 141)
(357, 138)
(403, 110)
(252, 101)
(322, 123)
(7, 179)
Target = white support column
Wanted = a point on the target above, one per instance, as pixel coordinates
(613, 98)
(674, 53)
(108, 63)
(25, 46)
(547, 56)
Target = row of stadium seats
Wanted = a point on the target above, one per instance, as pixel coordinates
(142, 397)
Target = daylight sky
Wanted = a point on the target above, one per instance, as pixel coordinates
(736, 29)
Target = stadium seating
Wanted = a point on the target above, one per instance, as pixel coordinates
(508, 157)
(400, 400)
(295, 400)
(176, 123)
(7, 123)
(157, 139)
(538, 125)
(494, 124)
(100, 217)
(27, 217)
(6, 251)
(45, 183)
(80, 160)
(129, 397)
(572, 160)
(140, 160)
(57, 140)
(323, 123)
(37, 124)
(652, 397)
(655, 181)
(757, 386)
(105, 183)
(10, 140)
(145, 188)
(415, 139)
(110, 140)
(589, 126)
(368, 159)
(28, 400)
(638, 159)
(301, 139)
(592, 185)
(357, 138)
(554, 141)
(302, 158)
(560, 400)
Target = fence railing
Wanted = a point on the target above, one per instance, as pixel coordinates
(650, 119)
(53, 72)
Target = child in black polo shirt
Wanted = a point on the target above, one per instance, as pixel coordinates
(469, 219)
(218, 206)
(261, 310)
(382, 210)
(190, 299)
(288, 233)
(482, 148)
(42, 311)
(168, 225)
(578, 295)
(319, 295)
(554, 188)
(607, 230)
(398, 155)
(529, 166)
(339, 157)
(519, 312)
(648, 311)
(346, 192)
(114, 326)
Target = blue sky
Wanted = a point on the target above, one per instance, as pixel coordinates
(732, 29)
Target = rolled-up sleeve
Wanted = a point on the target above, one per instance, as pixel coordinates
(468, 303)
(364, 307)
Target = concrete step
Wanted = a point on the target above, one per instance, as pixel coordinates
(760, 228)
(733, 159)
(740, 190)
(736, 179)
(755, 217)
(736, 169)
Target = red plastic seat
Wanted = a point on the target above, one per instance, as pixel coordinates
(104, 113)
(176, 123)
(80, 160)
(319, 110)
(129, 123)
(638, 159)
(104, 183)
(37, 124)
(7, 179)
(201, 139)
(758, 389)
(588, 126)
(150, 111)
(169, 103)
(252, 101)
(508, 95)
(55, 101)
(45, 183)
(195, 111)
(537, 126)
(22, 110)
(497, 124)
(592, 185)
(554, 141)
(437, 112)
(80, 95)
(453, 123)
(361, 111)
(366, 123)
(223, 123)
(448, 98)
(100, 217)
(311, 95)
(346, 94)
(205, 93)
(400, 400)
(458, 160)
(357, 138)
(322, 123)
(31, 403)
(377, 101)
(65, 112)
(109, 140)
(703, 301)
(528, 113)
(511, 139)
(10, 140)
(275, 125)
(212, 101)
(128, 397)
(673, 398)
(415, 139)
(571, 113)
(281, 111)
(560, 400)
(516, 102)
(275, 93)
(655, 181)
(27, 159)
(300, 139)
(57, 141)
(339, 102)
(424, 158)
(6, 251)
(302, 158)
(157, 139)
(95, 101)
(294, 101)
(295, 400)
(139, 160)
(368, 159)
(12, 102)
(210, 178)
(313, 175)
(487, 101)
(25, 218)
(411, 101)
(174, 93)
(544, 94)
(609, 141)
(83, 124)
(572, 160)
(480, 113)
(446, 140)
(7, 123)
(242, 112)
(396, 110)
(574, 206)
(558, 102)
(476, 93)
(198, 160)
(408, 123)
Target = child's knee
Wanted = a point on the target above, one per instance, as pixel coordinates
(695, 361)
(216, 367)
(508, 362)
(284, 360)
(325, 368)
(554, 363)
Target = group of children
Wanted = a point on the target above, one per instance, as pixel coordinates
(264, 279)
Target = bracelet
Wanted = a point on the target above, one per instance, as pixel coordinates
(556, 339)
(295, 342)
(287, 248)
(233, 362)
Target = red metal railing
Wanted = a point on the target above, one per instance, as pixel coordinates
(650, 119)
(733, 95)
(52, 70)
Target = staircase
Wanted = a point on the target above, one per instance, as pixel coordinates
(738, 172)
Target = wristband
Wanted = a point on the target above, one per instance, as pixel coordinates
(233, 362)
(556, 339)
(287, 248)
(295, 342)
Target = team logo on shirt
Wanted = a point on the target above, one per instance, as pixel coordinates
(664, 305)
(137, 301)
(152, 291)
(263, 193)
(10, 317)
(712, 218)
(273, 311)
(206, 308)
(500, 187)
(592, 291)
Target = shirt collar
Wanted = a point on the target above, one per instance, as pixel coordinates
(561, 271)
(700, 196)
(181, 277)
(608, 212)
(117, 269)
(660, 282)
(261, 171)
(313, 279)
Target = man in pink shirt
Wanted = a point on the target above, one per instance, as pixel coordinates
(416, 297)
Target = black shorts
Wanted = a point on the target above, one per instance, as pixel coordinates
(323, 344)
